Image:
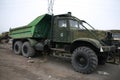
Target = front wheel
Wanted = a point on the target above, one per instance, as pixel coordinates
(27, 50)
(84, 60)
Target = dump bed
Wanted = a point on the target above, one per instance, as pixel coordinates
(38, 28)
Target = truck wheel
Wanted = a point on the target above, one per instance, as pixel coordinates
(84, 60)
(27, 50)
(17, 47)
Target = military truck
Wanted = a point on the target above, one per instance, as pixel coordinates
(4, 37)
(115, 41)
(62, 35)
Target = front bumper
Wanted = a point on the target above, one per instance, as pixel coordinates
(107, 48)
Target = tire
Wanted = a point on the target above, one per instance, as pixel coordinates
(17, 47)
(84, 60)
(27, 50)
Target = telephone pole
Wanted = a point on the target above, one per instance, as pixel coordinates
(50, 6)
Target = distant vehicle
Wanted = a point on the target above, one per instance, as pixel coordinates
(4, 37)
(63, 35)
(116, 38)
(116, 42)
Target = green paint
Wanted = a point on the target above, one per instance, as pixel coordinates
(37, 20)
(38, 28)
(43, 27)
(21, 32)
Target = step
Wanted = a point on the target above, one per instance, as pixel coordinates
(58, 49)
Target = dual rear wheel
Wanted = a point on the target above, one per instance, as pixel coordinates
(23, 48)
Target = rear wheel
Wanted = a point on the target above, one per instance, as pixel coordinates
(27, 50)
(17, 47)
(84, 60)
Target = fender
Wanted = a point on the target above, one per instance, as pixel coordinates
(85, 41)
(32, 42)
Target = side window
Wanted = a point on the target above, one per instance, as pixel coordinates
(62, 23)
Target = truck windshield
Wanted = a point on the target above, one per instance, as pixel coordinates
(74, 25)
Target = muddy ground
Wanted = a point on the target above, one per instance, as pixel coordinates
(16, 67)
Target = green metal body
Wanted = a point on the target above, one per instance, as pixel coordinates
(39, 28)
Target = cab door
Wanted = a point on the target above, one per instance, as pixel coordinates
(60, 31)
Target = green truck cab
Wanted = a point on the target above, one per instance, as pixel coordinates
(62, 35)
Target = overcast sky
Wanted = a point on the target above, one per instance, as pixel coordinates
(101, 14)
